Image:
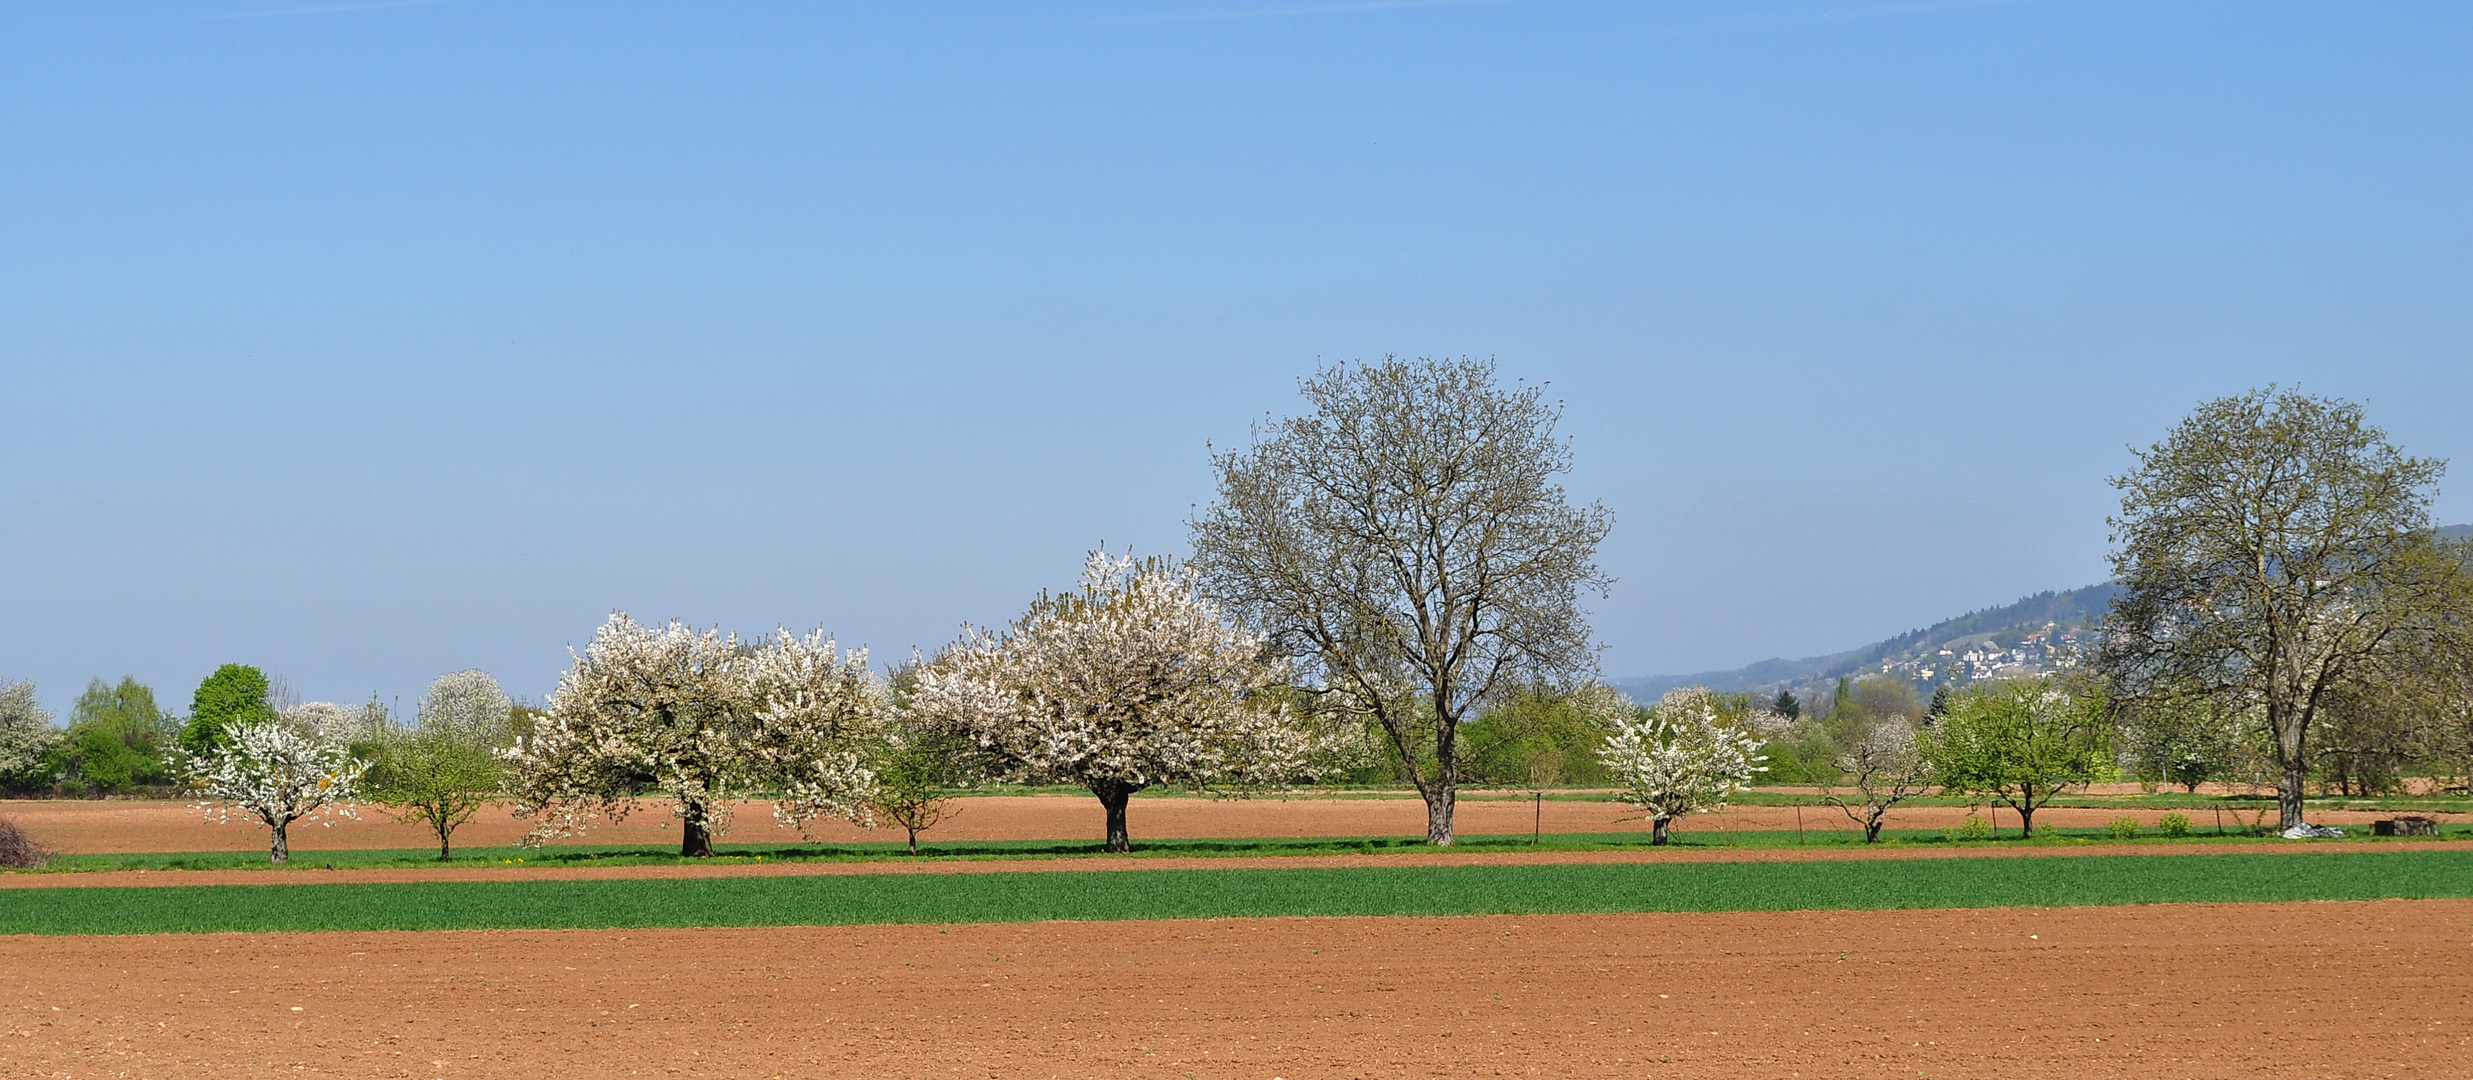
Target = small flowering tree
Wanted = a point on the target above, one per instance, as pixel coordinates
(1131, 682)
(1685, 756)
(703, 718)
(278, 775)
(1887, 766)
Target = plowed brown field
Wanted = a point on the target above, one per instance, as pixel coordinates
(125, 826)
(2310, 990)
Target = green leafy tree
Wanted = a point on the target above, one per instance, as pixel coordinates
(1787, 706)
(117, 737)
(1540, 737)
(439, 779)
(445, 770)
(235, 694)
(918, 775)
(2019, 743)
(2274, 549)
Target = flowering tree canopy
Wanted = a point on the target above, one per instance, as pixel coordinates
(276, 774)
(1685, 756)
(1887, 766)
(1130, 682)
(26, 732)
(703, 718)
(467, 705)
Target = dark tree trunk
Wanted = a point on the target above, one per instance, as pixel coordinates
(1872, 829)
(2026, 821)
(1440, 798)
(442, 845)
(914, 840)
(1114, 794)
(282, 851)
(2291, 748)
(694, 840)
(1657, 830)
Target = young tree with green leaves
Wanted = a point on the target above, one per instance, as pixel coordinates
(2020, 743)
(445, 770)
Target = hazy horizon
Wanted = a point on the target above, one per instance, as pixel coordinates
(365, 342)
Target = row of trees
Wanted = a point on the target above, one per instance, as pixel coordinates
(1398, 569)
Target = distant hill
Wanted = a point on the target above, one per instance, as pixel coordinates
(2061, 611)
(1997, 635)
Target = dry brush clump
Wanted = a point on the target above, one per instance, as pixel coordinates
(19, 851)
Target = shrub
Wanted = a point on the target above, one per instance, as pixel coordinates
(2124, 827)
(2175, 824)
(19, 851)
(1973, 828)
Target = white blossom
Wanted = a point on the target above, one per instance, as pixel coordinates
(468, 705)
(278, 775)
(1687, 755)
(706, 718)
(1133, 681)
(26, 731)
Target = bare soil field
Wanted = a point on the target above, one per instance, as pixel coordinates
(94, 827)
(2308, 990)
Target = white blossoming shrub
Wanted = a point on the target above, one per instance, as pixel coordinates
(702, 718)
(1133, 681)
(277, 775)
(1687, 755)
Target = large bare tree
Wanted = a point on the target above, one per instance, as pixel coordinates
(2275, 549)
(1406, 543)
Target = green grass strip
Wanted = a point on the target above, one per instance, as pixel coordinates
(1202, 894)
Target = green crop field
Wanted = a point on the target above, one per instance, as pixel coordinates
(1194, 894)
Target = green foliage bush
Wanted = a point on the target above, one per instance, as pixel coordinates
(2175, 824)
(2124, 827)
(1973, 828)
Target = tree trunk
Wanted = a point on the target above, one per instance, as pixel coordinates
(914, 839)
(2289, 747)
(1657, 830)
(1439, 800)
(694, 840)
(282, 844)
(442, 844)
(1872, 829)
(2026, 821)
(1113, 794)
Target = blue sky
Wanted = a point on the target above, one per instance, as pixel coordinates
(366, 341)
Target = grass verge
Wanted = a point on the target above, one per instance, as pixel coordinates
(1203, 894)
(1830, 836)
